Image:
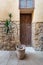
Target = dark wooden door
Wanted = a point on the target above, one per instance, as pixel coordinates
(25, 29)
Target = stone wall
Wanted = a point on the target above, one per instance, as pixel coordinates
(37, 35)
(8, 42)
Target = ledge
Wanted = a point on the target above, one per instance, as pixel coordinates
(26, 10)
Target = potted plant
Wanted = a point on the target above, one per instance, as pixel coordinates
(20, 51)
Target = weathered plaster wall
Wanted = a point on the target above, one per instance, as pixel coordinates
(6, 7)
(9, 6)
(37, 25)
(38, 11)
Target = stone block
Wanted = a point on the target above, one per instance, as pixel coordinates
(7, 42)
(37, 34)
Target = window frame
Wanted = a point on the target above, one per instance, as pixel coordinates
(25, 5)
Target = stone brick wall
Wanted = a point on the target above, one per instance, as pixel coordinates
(37, 35)
(7, 42)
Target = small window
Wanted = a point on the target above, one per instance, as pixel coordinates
(29, 3)
(26, 3)
(22, 3)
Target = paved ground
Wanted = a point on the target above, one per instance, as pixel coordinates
(32, 58)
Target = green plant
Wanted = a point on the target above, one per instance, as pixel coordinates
(8, 24)
(10, 16)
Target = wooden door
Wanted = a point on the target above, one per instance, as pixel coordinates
(25, 29)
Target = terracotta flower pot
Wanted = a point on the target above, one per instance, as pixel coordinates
(20, 50)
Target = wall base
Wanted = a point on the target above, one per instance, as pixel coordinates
(37, 35)
(8, 42)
